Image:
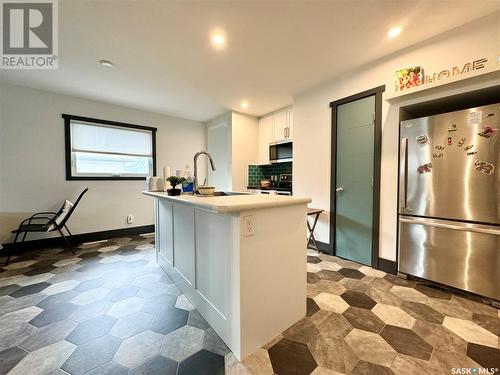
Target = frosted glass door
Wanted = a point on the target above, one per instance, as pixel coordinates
(354, 190)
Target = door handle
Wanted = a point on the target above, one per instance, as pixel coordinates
(284, 132)
(403, 174)
(450, 225)
(340, 189)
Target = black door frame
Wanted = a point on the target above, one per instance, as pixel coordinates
(377, 139)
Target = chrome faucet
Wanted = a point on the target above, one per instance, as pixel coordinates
(212, 164)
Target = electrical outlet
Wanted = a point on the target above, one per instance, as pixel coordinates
(130, 219)
(248, 226)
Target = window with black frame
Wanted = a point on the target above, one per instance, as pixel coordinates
(108, 150)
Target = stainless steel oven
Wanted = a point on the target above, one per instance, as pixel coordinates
(280, 152)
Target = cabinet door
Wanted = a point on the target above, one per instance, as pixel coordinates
(213, 256)
(265, 137)
(280, 125)
(290, 123)
(184, 244)
(164, 234)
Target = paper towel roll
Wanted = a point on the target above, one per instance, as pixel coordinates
(166, 172)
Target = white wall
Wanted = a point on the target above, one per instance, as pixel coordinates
(219, 146)
(233, 142)
(32, 160)
(245, 148)
(312, 115)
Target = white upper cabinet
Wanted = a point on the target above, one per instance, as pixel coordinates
(290, 123)
(265, 137)
(283, 123)
(274, 127)
(280, 125)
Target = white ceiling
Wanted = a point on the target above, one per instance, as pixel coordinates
(165, 62)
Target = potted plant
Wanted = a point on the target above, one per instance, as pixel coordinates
(174, 181)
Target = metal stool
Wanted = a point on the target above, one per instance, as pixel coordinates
(311, 241)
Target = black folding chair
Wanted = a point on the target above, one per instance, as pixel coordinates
(48, 222)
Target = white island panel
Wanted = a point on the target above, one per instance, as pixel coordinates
(249, 287)
(273, 274)
(184, 241)
(213, 255)
(164, 232)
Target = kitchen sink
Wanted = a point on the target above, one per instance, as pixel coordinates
(228, 193)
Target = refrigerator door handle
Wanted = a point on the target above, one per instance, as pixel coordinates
(403, 175)
(451, 225)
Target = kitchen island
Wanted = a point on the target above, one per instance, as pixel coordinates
(239, 259)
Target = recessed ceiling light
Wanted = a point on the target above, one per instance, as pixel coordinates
(218, 40)
(107, 63)
(394, 32)
(244, 104)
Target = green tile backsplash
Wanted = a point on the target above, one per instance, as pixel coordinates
(261, 172)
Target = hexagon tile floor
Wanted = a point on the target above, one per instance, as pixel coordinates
(111, 310)
(107, 310)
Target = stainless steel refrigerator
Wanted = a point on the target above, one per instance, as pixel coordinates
(449, 199)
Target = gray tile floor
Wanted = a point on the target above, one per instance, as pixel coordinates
(107, 310)
(363, 321)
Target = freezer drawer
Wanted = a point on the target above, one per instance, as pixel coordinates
(462, 255)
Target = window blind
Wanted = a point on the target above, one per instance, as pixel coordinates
(106, 139)
(108, 150)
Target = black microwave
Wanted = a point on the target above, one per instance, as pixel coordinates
(280, 152)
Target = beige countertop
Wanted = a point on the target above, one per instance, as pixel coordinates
(232, 203)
